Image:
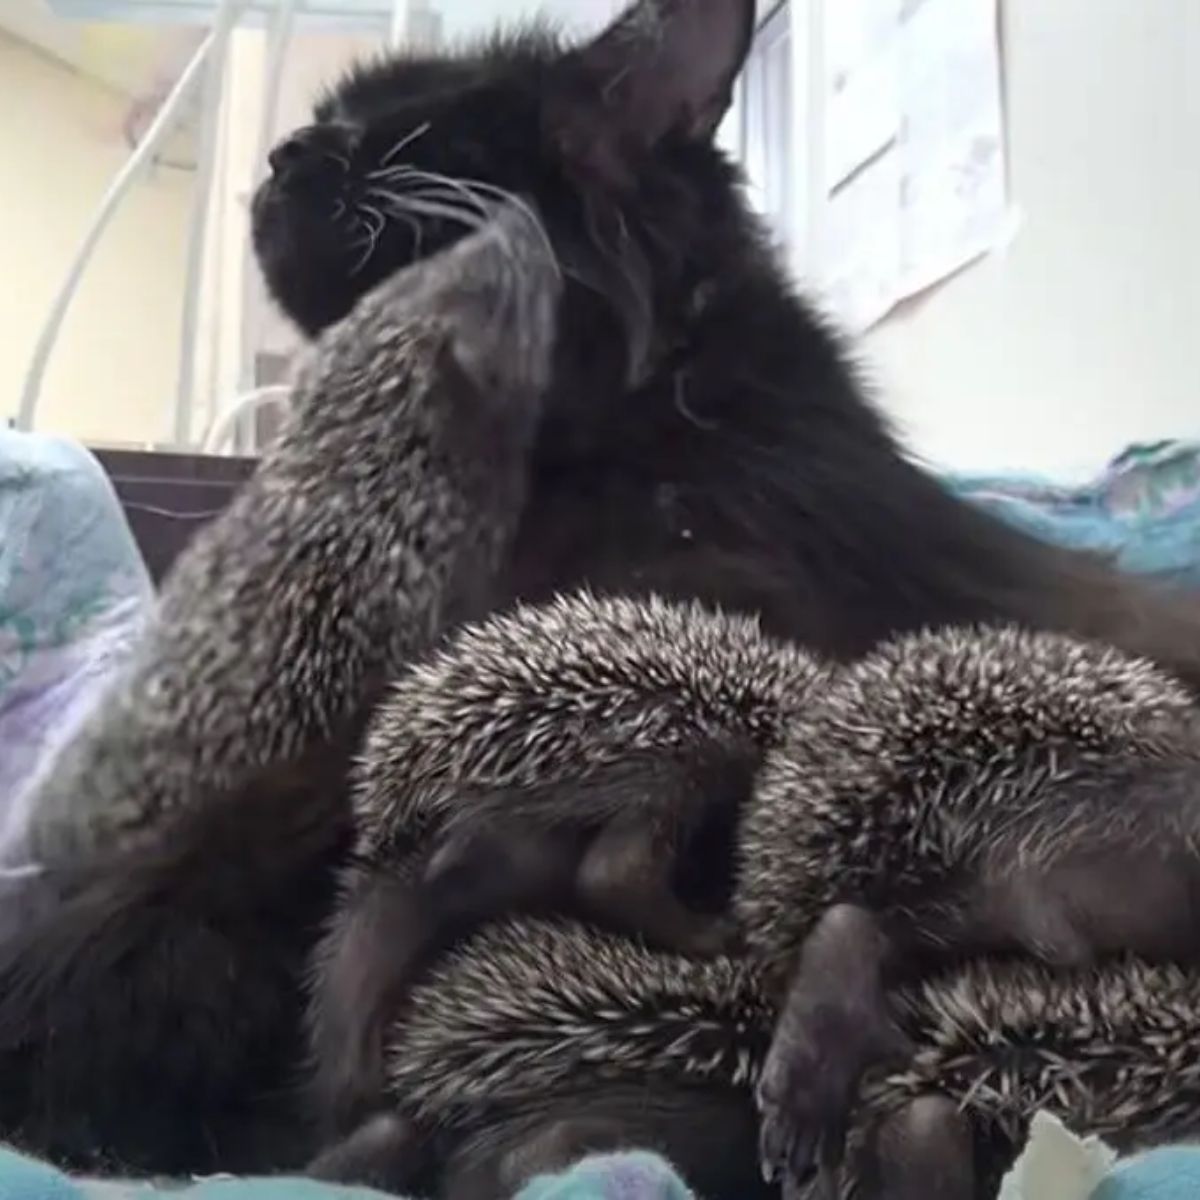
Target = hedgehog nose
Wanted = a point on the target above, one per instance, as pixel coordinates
(312, 153)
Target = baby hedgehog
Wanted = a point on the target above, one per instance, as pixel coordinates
(376, 520)
(538, 1041)
(589, 755)
(956, 794)
(149, 976)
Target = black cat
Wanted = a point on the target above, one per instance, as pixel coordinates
(708, 436)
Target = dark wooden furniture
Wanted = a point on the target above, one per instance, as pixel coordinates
(167, 497)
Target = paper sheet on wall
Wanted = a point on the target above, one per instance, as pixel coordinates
(914, 148)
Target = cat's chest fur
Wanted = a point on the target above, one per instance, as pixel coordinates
(675, 496)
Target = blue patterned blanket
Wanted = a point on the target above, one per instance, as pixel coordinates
(630, 1176)
(1143, 510)
(1172, 1173)
(73, 595)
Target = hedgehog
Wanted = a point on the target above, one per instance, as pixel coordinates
(394, 489)
(981, 751)
(540, 1039)
(151, 973)
(957, 793)
(587, 755)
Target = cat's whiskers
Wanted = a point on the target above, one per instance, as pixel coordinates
(428, 204)
(373, 221)
(437, 189)
(406, 140)
(452, 196)
(479, 191)
(373, 218)
(414, 225)
(414, 196)
(439, 197)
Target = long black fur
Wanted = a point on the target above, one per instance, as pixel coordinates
(708, 436)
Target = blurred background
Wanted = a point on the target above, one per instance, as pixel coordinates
(1045, 323)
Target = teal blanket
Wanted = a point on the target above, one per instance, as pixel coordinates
(1143, 510)
(73, 595)
(629, 1176)
(1172, 1173)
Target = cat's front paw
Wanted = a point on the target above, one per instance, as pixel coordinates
(805, 1095)
(835, 1025)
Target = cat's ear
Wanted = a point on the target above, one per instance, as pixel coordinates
(667, 66)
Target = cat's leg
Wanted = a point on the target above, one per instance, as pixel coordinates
(625, 882)
(391, 918)
(150, 1014)
(923, 1151)
(835, 1022)
(386, 1152)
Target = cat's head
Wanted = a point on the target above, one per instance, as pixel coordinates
(610, 142)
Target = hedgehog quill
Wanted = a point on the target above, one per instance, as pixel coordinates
(537, 1041)
(956, 794)
(590, 755)
(150, 977)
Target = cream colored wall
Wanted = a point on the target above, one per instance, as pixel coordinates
(1085, 334)
(114, 367)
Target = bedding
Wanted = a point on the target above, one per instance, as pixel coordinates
(1057, 1166)
(1143, 510)
(73, 594)
(634, 1175)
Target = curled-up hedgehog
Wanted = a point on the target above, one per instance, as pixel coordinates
(589, 756)
(537, 1041)
(957, 794)
(150, 975)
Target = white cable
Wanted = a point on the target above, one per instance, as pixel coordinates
(159, 128)
(224, 424)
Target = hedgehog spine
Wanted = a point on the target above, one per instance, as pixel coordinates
(535, 1015)
(192, 830)
(558, 755)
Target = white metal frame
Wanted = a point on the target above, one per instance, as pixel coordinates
(777, 129)
(207, 68)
